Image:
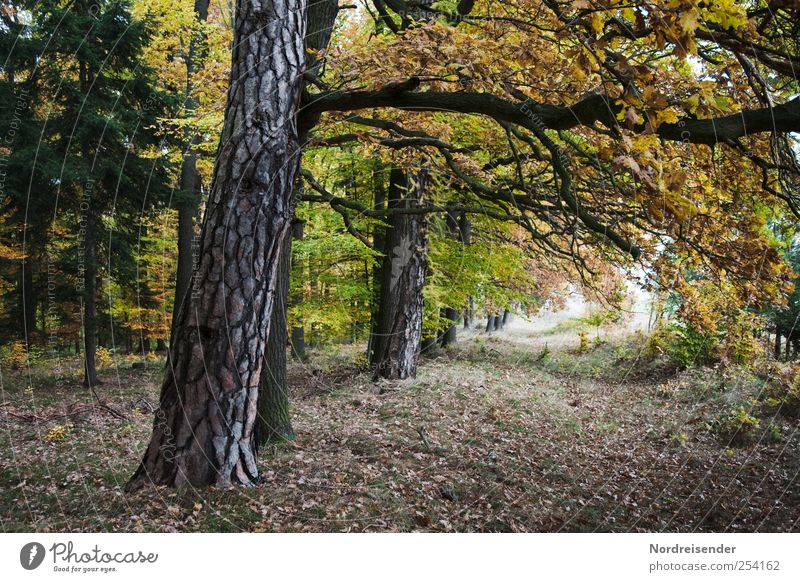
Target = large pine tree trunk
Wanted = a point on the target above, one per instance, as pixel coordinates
(203, 433)
(404, 273)
(273, 423)
(189, 198)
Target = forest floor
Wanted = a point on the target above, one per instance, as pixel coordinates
(510, 431)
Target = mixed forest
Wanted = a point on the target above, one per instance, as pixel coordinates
(370, 265)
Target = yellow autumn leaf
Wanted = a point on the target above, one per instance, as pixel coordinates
(688, 21)
(597, 22)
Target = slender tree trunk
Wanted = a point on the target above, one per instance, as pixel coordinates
(86, 79)
(299, 343)
(189, 196)
(273, 424)
(27, 300)
(203, 432)
(378, 242)
(777, 343)
(403, 278)
(298, 337)
(489, 322)
(465, 227)
(449, 334)
(89, 304)
(43, 320)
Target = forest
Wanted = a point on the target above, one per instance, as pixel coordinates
(399, 265)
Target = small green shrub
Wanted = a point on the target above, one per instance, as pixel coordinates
(679, 438)
(59, 433)
(738, 427)
(14, 355)
(784, 393)
(774, 434)
(103, 357)
(583, 346)
(687, 347)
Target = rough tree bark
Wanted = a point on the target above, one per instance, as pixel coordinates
(189, 197)
(203, 432)
(403, 278)
(274, 423)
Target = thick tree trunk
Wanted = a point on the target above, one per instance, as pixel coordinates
(403, 278)
(203, 433)
(89, 304)
(273, 424)
(189, 196)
